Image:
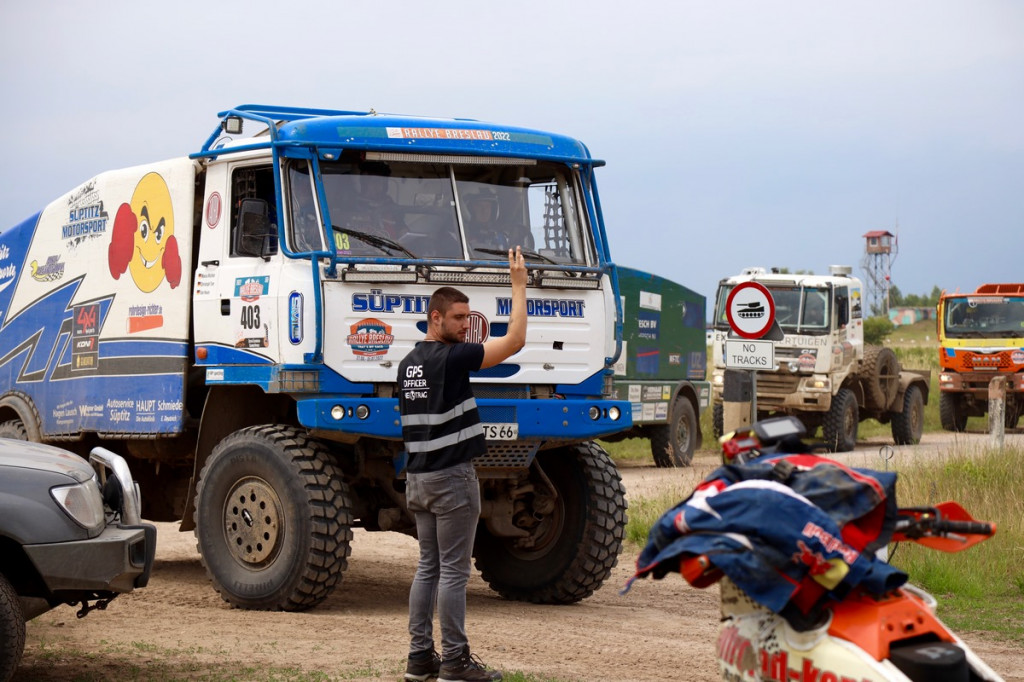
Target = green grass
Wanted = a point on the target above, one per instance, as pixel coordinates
(981, 588)
(919, 333)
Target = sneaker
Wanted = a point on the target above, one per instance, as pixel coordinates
(423, 667)
(466, 668)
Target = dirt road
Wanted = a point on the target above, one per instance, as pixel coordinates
(178, 628)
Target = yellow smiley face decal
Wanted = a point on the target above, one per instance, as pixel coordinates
(143, 240)
(151, 203)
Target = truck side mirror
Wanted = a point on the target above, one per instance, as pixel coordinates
(255, 235)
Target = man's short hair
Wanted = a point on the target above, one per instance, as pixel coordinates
(443, 299)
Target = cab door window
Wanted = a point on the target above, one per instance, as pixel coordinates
(253, 212)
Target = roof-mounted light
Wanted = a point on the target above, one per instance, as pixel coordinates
(456, 277)
(232, 125)
(391, 276)
(561, 282)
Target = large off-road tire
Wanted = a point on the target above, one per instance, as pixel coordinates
(273, 519)
(880, 375)
(672, 444)
(839, 429)
(12, 630)
(952, 412)
(718, 419)
(908, 424)
(578, 538)
(15, 429)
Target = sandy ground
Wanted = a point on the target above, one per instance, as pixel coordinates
(178, 627)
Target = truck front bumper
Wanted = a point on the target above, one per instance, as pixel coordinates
(117, 560)
(576, 419)
(977, 383)
(785, 391)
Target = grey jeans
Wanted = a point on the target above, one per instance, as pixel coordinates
(446, 505)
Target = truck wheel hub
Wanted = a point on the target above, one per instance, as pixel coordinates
(252, 522)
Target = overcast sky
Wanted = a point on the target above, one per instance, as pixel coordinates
(736, 133)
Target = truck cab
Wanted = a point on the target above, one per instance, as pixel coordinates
(824, 373)
(233, 321)
(823, 334)
(981, 336)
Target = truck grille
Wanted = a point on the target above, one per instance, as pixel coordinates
(773, 388)
(779, 384)
(505, 414)
(501, 391)
(999, 360)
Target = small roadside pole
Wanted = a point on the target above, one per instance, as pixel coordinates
(750, 309)
(996, 411)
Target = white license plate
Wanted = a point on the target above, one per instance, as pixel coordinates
(501, 431)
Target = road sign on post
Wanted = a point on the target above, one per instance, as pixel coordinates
(751, 312)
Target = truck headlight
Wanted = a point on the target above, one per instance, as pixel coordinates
(82, 502)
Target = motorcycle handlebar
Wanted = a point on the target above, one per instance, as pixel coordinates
(964, 527)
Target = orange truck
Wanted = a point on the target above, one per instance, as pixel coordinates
(981, 336)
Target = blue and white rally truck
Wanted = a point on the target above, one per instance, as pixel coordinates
(232, 322)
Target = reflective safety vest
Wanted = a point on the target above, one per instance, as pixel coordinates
(439, 433)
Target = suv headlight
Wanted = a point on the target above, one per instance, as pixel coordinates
(82, 502)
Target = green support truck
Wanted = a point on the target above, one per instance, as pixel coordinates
(663, 366)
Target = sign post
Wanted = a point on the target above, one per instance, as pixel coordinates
(750, 309)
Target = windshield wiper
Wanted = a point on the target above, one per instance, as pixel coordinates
(526, 254)
(389, 246)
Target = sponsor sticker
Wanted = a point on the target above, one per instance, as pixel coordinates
(145, 317)
(650, 300)
(250, 289)
(50, 271)
(652, 393)
(85, 330)
(647, 325)
(370, 338)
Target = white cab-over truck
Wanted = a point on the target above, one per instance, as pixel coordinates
(232, 323)
(824, 373)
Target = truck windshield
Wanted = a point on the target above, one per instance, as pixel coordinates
(798, 310)
(444, 209)
(972, 316)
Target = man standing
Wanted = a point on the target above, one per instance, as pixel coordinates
(442, 432)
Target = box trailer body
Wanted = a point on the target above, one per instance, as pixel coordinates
(662, 370)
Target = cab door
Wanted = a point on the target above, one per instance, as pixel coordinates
(237, 287)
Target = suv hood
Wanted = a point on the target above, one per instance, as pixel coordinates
(25, 455)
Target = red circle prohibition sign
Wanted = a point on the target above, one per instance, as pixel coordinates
(752, 315)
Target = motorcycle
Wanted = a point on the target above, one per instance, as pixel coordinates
(796, 543)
